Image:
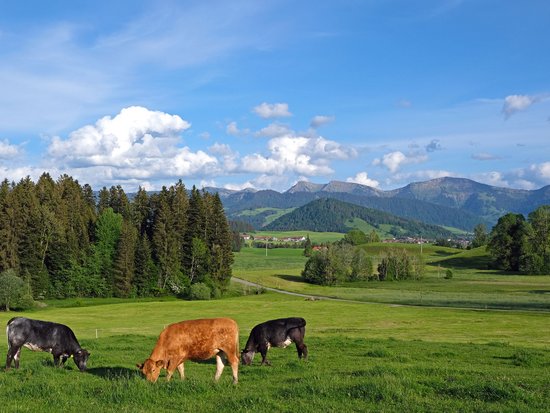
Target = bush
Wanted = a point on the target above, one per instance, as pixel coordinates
(13, 294)
(199, 291)
(399, 265)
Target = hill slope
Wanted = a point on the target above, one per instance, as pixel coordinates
(328, 214)
(452, 202)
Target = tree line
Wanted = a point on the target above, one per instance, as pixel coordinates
(63, 240)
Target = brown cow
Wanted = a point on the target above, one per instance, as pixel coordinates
(194, 340)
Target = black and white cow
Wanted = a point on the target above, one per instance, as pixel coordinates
(275, 333)
(37, 335)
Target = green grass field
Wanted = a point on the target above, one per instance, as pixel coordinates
(363, 357)
(472, 285)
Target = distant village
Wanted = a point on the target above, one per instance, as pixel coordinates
(455, 242)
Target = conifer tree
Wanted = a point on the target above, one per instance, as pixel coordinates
(165, 243)
(145, 273)
(141, 212)
(108, 229)
(195, 230)
(9, 237)
(124, 264)
(219, 242)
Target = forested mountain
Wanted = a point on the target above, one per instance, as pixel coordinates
(63, 242)
(328, 214)
(489, 202)
(453, 202)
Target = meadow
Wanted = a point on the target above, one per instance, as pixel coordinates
(363, 356)
(471, 286)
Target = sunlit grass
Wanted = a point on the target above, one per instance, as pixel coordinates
(363, 357)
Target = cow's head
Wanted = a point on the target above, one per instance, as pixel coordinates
(247, 356)
(151, 369)
(80, 358)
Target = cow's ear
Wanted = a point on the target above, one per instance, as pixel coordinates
(160, 363)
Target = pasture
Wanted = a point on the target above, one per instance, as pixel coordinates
(363, 357)
(472, 285)
(377, 353)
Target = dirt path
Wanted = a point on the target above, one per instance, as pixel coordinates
(306, 296)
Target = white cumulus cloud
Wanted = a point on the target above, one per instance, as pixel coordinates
(272, 110)
(233, 130)
(394, 160)
(307, 156)
(517, 103)
(273, 130)
(7, 150)
(363, 179)
(136, 144)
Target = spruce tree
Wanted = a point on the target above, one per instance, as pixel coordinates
(165, 243)
(124, 264)
(145, 272)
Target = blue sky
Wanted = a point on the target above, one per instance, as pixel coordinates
(263, 94)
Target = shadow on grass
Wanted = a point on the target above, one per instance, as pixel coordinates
(114, 372)
(293, 278)
(478, 263)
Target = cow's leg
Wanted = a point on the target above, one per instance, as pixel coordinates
(297, 335)
(17, 355)
(219, 367)
(171, 367)
(263, 351)
(64, 358)
(13, 354)
(56, 358)
(302, 350)
(234, 362)
(181, 371)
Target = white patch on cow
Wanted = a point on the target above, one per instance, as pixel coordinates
(268, 345)
(34, 347)
(286, 343)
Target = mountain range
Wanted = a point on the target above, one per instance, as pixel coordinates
(451, 202)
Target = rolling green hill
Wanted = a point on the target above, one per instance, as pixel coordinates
(337, 216)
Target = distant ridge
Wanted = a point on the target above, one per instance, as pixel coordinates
(335, 187)
(328, 214)
(453, 202)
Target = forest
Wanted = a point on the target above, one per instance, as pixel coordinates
(61, 239)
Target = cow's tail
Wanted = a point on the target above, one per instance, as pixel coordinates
(8, 331)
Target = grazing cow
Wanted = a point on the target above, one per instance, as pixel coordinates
(275, 333)
(194, 340)
(37, 335)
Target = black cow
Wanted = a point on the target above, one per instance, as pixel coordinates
(37, 335)
(275, 333)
